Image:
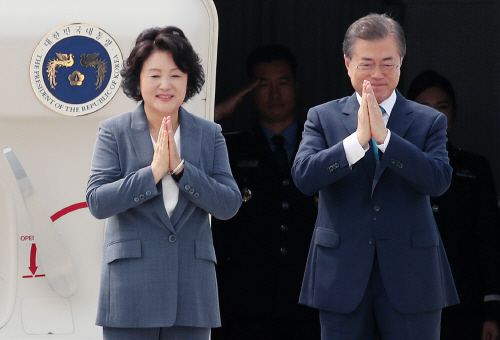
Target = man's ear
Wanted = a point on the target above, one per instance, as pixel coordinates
(347, 62)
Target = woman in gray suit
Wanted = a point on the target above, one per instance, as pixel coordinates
(157, 173)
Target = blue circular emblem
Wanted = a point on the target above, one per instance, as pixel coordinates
(75, 69)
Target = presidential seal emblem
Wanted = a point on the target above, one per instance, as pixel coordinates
(75, 69)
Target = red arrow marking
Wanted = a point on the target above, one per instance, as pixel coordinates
(33, 267)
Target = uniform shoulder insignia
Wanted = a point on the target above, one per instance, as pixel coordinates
(230, 133)
(237, 134)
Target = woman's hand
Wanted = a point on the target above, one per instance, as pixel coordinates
(161, 156)
(166, 156)
(174, 157)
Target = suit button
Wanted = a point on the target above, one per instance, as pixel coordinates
(172, 238)
(196, 194)
(148, 193)
(334, 166)
(376, 208)
(284, 227)
(283, 251)
(191, 191)
(136, 199)
(435, 208)
(285, 182)
(187, 187)
(284, 205)
(246, 194)
(141, 196)
(372, 241)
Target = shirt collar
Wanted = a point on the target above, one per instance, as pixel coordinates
(387, 104)
(290, 134)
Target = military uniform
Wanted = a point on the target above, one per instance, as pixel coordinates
(262, 251)
(467, 218)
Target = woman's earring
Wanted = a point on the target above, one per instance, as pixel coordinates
(138, 90)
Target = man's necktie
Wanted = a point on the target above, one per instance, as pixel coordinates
(280, 154)
(375, 150)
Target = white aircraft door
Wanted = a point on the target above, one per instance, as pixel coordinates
(50, 245)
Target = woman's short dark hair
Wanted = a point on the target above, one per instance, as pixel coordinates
(373, 27)
(428, 79)
(170, 39)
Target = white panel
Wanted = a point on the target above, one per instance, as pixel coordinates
(8, 252)
(47, 316)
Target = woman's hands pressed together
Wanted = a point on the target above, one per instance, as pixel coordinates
(166, 156)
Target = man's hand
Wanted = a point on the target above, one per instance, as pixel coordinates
(227, 107)
(363, 131)
(377, 125)
(490, 331)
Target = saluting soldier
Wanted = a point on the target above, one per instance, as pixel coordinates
(262, 251)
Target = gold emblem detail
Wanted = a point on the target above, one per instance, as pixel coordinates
(90, 60)
(64, 60)
(76, 78)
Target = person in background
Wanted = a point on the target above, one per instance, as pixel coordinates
(262, 251)
(157, 173)
(467, 218)
(377, 266)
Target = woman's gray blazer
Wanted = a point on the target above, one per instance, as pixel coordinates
(157, 270)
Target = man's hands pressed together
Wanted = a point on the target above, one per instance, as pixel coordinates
(370, 121)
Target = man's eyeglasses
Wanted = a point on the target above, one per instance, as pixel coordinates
(369, 69)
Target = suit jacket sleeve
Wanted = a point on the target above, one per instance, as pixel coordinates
(110, 191)
(217, 193)
(318, 162)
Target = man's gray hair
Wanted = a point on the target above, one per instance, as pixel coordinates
(373, 27)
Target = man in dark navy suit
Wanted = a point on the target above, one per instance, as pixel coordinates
(376, 266)
(262, 251)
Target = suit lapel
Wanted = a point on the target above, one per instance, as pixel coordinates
(140, 137)
(399, 121)
(143, 146)
(350, 114)
(401, 116)
(191, 139)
